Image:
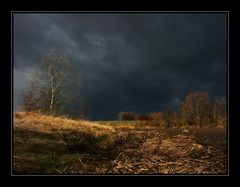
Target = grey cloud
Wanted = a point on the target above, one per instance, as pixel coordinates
(139, 62)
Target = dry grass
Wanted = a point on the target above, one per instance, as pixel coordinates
(49, 124)
(56, 145)
(178, 155)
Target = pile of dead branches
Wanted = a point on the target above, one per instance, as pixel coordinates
(177, 155)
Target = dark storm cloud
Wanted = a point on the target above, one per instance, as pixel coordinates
(138, 62)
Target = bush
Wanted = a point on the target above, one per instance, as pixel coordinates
(126, 116)
(156, 116)
(144, 118)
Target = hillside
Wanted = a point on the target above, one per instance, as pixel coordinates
(57, 145)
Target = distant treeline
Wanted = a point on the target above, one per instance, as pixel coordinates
(197, 109)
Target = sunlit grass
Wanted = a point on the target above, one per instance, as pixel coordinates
(56, 145)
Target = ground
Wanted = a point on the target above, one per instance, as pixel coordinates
(57, 145)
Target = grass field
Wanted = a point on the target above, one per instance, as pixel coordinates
(56, 145)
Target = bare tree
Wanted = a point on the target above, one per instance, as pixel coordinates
(194, 106)
(29, 101)
(169, 117)
(49, 87)
(219, 112)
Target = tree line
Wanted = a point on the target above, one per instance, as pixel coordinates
(197, 109)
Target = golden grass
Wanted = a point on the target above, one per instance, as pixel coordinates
(57, 145)
(48, 124)
(178, 155)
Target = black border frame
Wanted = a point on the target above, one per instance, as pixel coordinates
(114, 12)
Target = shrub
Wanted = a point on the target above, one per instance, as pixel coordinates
(126, 116)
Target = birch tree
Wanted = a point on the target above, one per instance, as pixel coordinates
(49, 87)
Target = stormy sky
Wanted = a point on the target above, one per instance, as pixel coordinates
(140, 62)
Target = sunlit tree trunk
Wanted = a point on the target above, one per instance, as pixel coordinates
(51, 75)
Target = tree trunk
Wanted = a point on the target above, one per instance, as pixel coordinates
(52, 100)
(52, 89)
(198, 122)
